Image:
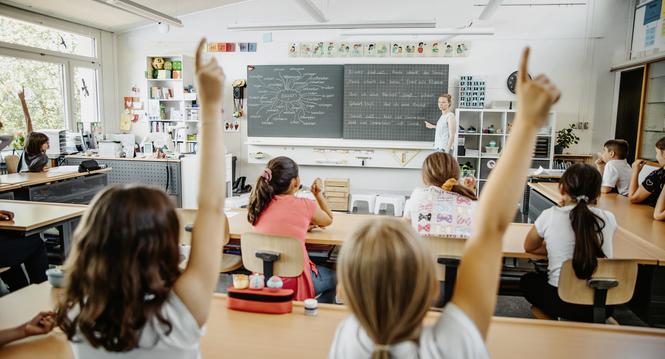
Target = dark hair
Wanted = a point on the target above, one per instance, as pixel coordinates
(123, 266)
(661, 144)
(440, 167)
(582, 183)
(34, 142)
(282, 171)
(619, 147)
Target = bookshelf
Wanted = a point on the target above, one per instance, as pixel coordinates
(172, 108)
(478, 153)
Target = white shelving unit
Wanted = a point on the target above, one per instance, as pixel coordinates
(178, 117)
(475, 143)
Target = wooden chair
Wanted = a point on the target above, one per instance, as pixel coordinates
(612, 283)
(12, 163)
(272, 255)
(230, 262)
(446, 251)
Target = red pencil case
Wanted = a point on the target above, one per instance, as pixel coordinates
(267, 300)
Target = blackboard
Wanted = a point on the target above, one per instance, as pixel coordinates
(390, 102)
(295, 101)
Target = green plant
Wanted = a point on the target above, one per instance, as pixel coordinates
(565, 137)
(19, 141)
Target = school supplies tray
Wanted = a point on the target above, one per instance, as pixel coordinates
(267, 300)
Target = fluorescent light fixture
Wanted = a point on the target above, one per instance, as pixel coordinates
(490, 9)
(313, 9)
(476, 31)
(338, 25)
(142, 11)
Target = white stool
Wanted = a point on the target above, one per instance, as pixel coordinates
(360, 201)
(389, 205)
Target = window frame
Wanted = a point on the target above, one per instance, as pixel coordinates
(69, 61)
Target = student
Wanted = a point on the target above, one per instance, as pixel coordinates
(274, 209)
(444, 207)
(387, 276)
(446, 126)
(576, 231)
(18, 252)
(652, 185)
(124, 294)
(42, 323)
(34, 157)
(614, 168)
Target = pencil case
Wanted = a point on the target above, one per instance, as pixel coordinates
(267, 300)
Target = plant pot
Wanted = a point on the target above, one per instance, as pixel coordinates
(558, 150)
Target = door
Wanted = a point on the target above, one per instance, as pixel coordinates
(628, 108)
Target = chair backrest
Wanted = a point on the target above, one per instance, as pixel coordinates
(290, 263)
(12, 163)
(444, 247)
(576, 291)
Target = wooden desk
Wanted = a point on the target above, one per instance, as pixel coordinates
(53, 185)
(344, 225)
(34, 217)
(232, 334)
(635, 220)
(25, 179)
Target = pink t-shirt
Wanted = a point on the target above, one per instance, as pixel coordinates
(289, 216)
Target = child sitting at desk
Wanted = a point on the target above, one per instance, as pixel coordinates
(387, 276)
(444, 207)
(575, 231)
(614, 168)
(124, 295)
(274, 209)
(34, 157)
(649, 190)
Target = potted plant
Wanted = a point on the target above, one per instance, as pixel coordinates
(565, 138)
(19, 142)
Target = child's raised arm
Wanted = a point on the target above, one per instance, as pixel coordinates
(477, 281)
(196, 284)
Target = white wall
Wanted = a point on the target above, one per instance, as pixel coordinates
(574, 45)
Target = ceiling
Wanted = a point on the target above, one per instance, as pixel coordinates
(98, 15)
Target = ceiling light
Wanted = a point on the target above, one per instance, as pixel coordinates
(338, 25)
(476, 31)
(142, 11)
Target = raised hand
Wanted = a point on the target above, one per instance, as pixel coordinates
(209, 78)
(535, 97)
(316, 187)
(638, 164)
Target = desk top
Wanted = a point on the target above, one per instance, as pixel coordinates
(636, 220)
(33, 215)
(344, 224)
(232, 334)
(83, 157)
(18, 180)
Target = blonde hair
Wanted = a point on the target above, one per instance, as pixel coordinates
(388, 280)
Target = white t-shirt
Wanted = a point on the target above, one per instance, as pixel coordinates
(181, 342)
(442, 134)
(453, 335)
(617, 175)
(435, 212)
(555, 227)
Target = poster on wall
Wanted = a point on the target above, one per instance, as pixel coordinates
(650, 36)
(652, 11)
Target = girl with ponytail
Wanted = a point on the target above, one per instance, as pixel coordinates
(576, 231)
(445, 206)
(275, 210)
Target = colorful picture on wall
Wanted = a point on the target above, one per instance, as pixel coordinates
(435, 49)
(294, 49)
(318, 49)
(343, 49)
(357, 49)
(306, 49)
(330, 49)
(382, 49)
(370, 49)
(251, 46)
(242, 46)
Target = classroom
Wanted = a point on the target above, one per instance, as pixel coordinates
(332, 178)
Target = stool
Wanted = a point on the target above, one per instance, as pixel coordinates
(362, 203)
(389, 205)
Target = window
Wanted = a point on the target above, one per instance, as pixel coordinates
(28, 34)
(44, 91)
(86, 99)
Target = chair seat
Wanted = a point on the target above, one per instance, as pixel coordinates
(230, 263)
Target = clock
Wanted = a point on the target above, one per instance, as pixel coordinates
(512, 81)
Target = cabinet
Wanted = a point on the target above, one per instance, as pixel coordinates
(652, 120)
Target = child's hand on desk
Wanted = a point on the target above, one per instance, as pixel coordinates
(6, 215)
(42, 323)
(312, 227)
(316, 187)
(535, 97)
(209, 78)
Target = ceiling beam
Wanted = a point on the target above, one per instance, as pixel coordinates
(313, 9)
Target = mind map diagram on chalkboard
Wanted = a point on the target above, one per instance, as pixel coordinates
(295, 100)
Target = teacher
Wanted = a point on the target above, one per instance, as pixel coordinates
(446, 126)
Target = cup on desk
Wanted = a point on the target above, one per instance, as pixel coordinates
(56, 277)
(184, 252)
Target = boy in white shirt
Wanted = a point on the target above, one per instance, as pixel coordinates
(614, 168)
